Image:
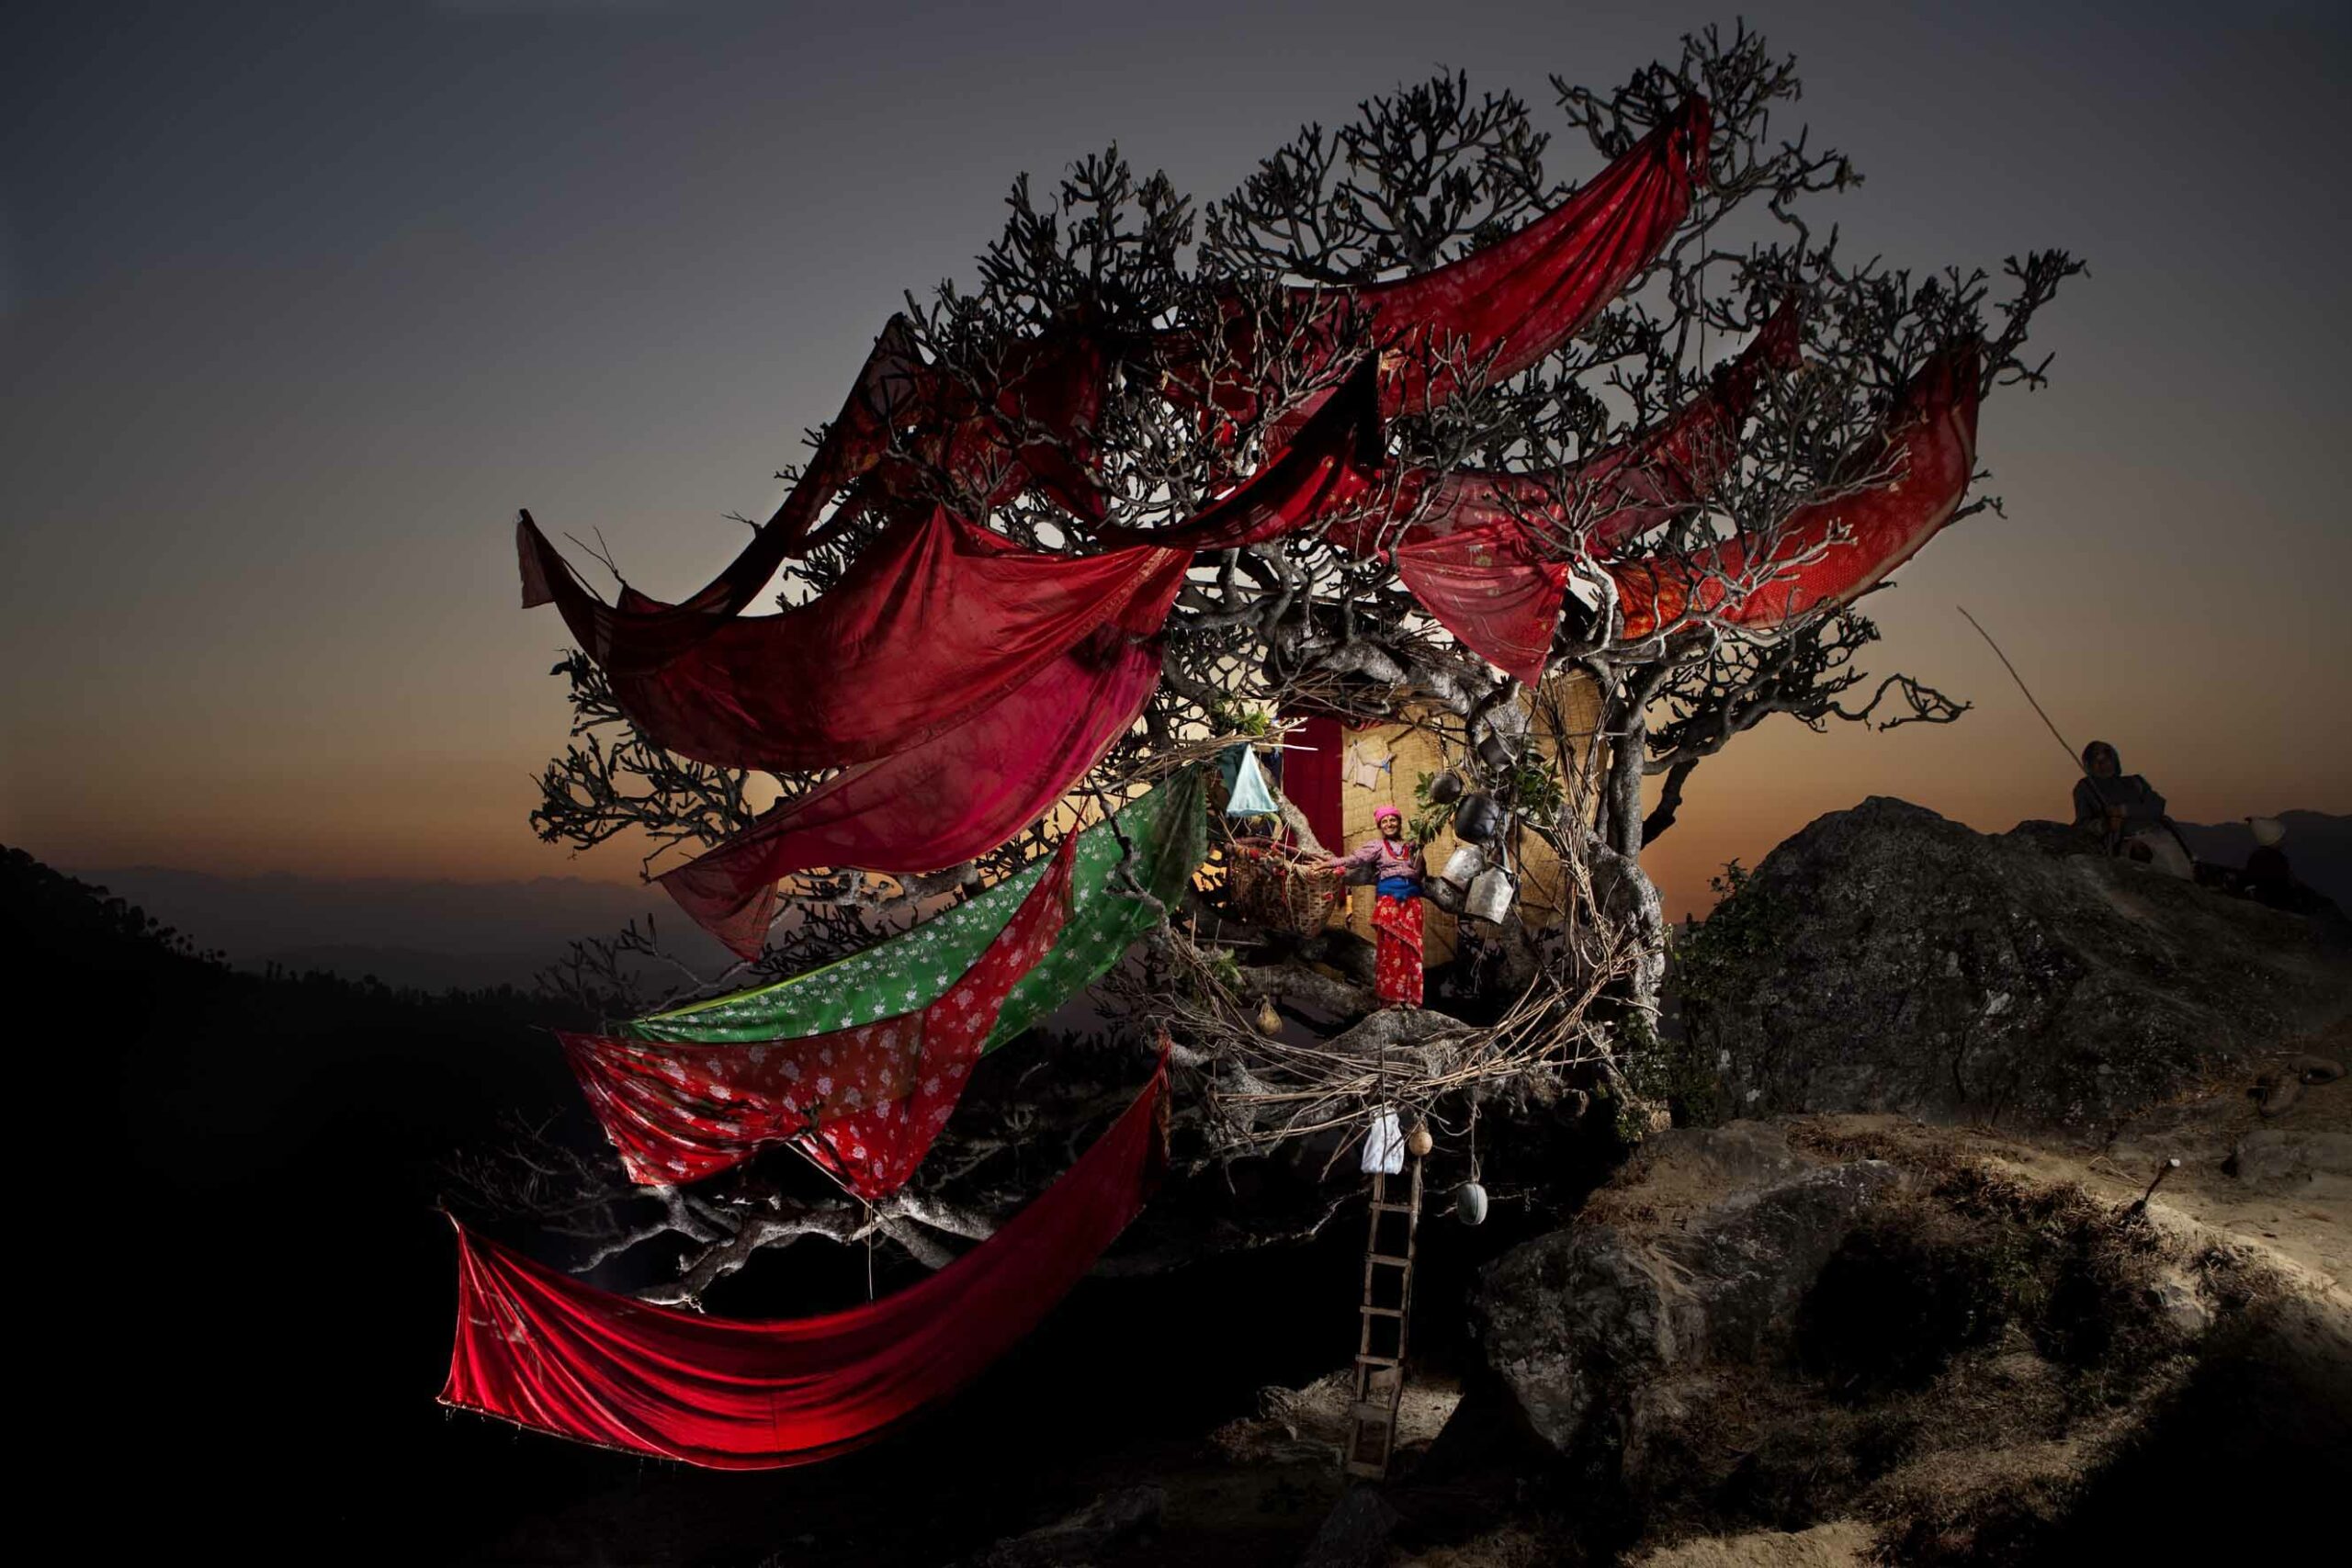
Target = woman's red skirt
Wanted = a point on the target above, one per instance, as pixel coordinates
(1396, 950)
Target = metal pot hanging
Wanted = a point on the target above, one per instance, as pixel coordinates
(1451, 888)
(1478, 818)
(1470, 1204)
(1498, 751)
(1445, 788)
(1491, 895)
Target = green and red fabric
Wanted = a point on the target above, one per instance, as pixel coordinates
(1168, 829)
(864, 1103)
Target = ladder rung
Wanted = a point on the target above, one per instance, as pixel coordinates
(1394, 1208)
(1370, 1414)
(1378, 1361)
(1389, 1257)
(1371, 1311)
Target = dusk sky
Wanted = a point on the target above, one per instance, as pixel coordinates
(299, 303)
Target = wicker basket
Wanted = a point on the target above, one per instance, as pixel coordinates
(1271, 886)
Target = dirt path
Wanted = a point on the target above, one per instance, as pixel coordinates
(2288, 1190)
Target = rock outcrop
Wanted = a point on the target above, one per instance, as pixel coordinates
(1898, 1339)
(1886, 959)
(1594, 1330)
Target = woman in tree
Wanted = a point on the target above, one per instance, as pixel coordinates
(1399, 871)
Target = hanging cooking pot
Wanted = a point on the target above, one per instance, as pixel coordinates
(1445, 788)
(1491, 895)
(1451, 888)
(1478, 818)
(1498, 751)
(1470, 1204)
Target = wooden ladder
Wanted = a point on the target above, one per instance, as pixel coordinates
(1380, 1365)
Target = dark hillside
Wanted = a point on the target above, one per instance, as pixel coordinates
(258, 1287)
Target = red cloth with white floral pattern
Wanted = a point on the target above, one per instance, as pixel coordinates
(864, 1103)
(1396, 950)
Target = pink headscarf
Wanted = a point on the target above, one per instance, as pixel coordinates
(1385, 809)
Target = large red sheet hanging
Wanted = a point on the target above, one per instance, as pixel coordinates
(1311, 775)
(1025, 419)
(957, 795)
(1493, 588)
(935, 620)
(1029, 423)
(1478, 557)
(1500, 309)
(642, 633)
(864, 1103)
(1331, 462)
(1827, 553)
(545, 1351)
(1615, 495)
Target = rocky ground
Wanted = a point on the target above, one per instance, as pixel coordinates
(1843, 1339)
(1897, 1292)
(1849, 1310)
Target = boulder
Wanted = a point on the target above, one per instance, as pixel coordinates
(1884, 959)
(1608, 1330)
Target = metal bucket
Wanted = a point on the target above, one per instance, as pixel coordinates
(1478, 818)
(1491, 895)
(1451, 888)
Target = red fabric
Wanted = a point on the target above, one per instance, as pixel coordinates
(1029, 422)
(955, 795)
(547, 1351)
(1330, 461)
(1032, 425)
(642, 633)
(935, 619)
(1477, 561)
(1396, 975)
(1311, 776)
(1854, 541)
(1515, 301)
(1492, 588)
(865, 1103)
(1620, 492)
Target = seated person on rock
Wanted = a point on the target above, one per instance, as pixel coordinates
(2127, 809)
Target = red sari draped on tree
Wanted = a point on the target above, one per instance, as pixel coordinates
(1489, 555)
(1027, 425)
(547, 1351)
(1500, 309)
(954, 797)
(936, 618)
(1828, 553)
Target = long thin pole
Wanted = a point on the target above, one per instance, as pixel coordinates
(2073, 755)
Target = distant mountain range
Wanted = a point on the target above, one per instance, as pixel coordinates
(431, 935)
(440, 935)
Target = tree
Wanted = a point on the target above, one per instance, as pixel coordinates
(1420, 178)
